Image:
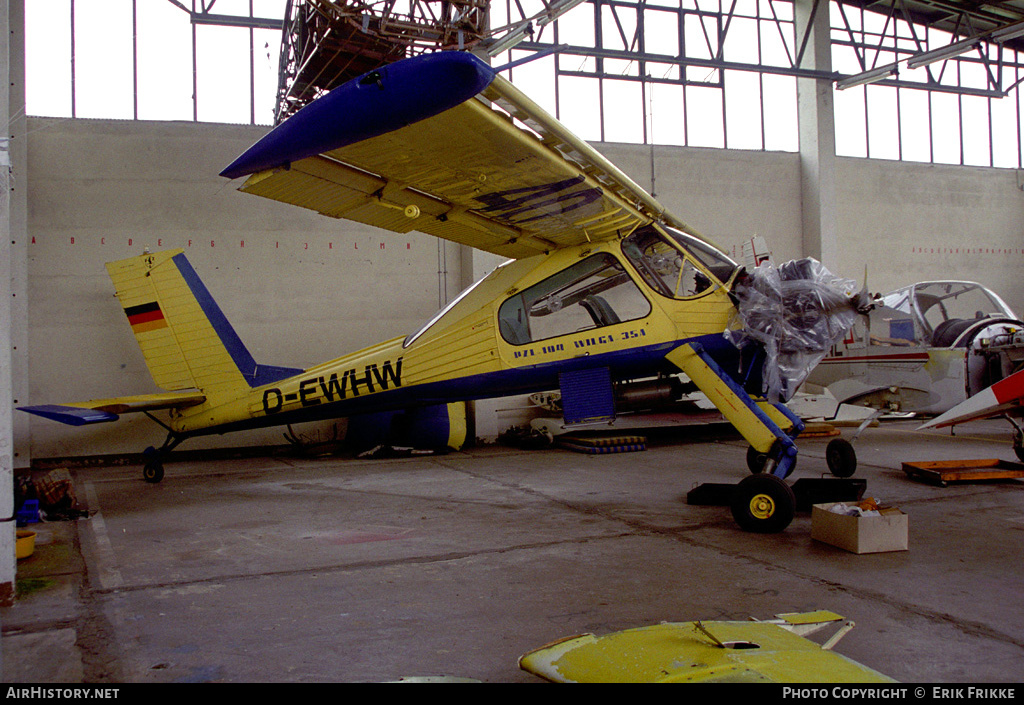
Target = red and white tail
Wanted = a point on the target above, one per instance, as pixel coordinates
(1005, 395)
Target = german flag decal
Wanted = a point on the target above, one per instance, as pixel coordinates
(145, 317)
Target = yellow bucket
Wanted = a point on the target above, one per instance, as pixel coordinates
(25, 543)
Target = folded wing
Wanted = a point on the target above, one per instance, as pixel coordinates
(443, 145)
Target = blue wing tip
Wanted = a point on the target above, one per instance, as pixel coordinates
(70, 415)
(411, 89)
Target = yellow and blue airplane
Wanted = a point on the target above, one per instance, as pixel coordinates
(602, 285)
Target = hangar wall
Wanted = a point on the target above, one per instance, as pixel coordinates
(908, 222)
(300, 288)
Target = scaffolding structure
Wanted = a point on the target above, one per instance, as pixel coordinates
(972, 50)
(327, 42)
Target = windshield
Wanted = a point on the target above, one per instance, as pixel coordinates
(714, 260)
(943, 301)
(676, 265)
(942, 310)
(937, 302)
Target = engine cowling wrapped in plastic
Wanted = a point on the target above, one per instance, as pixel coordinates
(796, 312)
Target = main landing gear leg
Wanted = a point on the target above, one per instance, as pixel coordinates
(153, 469)
(763, 502)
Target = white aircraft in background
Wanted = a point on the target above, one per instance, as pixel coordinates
(924, 348)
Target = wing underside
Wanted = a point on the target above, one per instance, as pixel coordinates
(494, 172)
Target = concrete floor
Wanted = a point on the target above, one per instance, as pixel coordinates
(343, 570)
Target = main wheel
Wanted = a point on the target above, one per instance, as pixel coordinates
(763, 504)
(841, 457)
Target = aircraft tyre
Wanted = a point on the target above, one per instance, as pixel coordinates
(1018, 445)
(153, 469)
(841, 457)
(757, 460)
(763, 504)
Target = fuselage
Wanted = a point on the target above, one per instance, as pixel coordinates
(621, 304)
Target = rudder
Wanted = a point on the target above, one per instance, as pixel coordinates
(185, 338)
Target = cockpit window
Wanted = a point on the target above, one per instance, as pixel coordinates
(713, 260)
(939, 302)
(590, 294)
(670, 266)
(936, 312)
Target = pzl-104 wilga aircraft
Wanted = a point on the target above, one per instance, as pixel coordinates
(603, 286)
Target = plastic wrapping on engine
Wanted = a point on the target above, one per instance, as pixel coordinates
(796, 312)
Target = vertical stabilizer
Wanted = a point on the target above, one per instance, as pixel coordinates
(185, 338)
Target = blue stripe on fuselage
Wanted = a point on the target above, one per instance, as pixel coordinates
(635, 363)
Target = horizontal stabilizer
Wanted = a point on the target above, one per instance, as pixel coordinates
(103, 410)
(70, 415)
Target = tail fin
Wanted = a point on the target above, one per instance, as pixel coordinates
(185, 338)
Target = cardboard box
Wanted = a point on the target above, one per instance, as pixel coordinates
(860, 534)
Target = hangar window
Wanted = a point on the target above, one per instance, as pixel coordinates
(590, 294)
(724, 73)
(696, 73)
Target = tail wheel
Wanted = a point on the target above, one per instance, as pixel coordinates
(763, 504)
(153, 468)
(153, 471)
